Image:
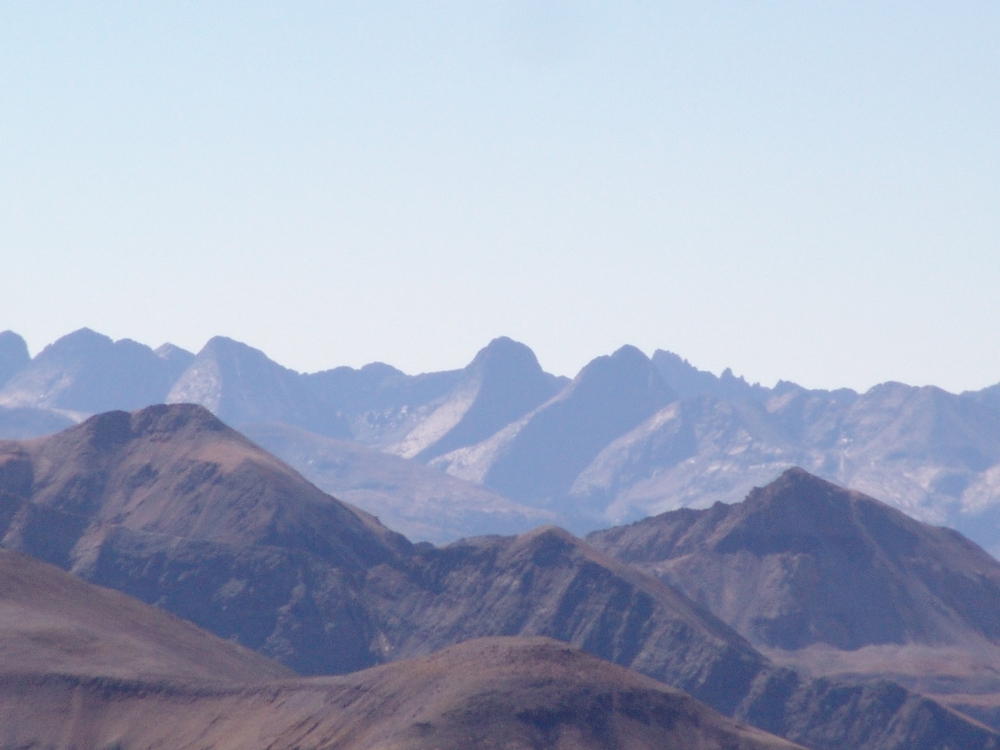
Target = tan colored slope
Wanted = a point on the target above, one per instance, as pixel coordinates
(507, 693)
(54, 623)
(180, 472)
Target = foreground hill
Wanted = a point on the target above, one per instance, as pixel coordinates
(85, 666)
(814, 573)
(496, 693)
(169, 505)
(52, 623)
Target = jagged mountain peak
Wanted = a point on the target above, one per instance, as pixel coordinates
(688, 381)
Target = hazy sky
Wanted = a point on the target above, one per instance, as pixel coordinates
(808, 191)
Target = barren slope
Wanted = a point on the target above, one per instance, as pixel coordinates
(497, 693)
(52, 623)
(831, 581)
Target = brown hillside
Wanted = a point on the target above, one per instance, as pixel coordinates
(493, 693)
(54, 623)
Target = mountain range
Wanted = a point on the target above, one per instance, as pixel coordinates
(170, 506)
(629, 437)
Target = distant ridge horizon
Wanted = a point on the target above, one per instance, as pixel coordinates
(629, 436)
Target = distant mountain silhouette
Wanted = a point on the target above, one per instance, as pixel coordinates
(380, 403)
(628, 438)
(926, 451)
(539, 456)
(20, 424)
(242, 386)
(503, 383)
(86, 372)
(688, 381)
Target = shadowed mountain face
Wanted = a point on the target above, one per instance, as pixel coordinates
(86, 372)
(169, 505)
(85, 666)
(13, 355)
(172, 507)
(833, 582)
(539, 456)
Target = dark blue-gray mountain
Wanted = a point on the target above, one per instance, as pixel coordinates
(539, 456)
(502, 384)
(13, 355)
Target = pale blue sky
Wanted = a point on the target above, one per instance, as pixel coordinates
(799, 190)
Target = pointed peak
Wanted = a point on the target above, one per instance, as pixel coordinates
(627, 368)
(505, 353)
(798, 486)
(231, 349)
